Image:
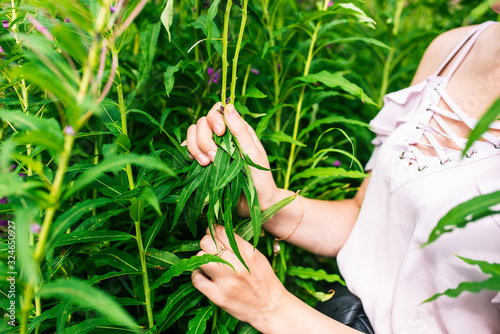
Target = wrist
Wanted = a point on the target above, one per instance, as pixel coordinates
(274, 197)
(274, 320)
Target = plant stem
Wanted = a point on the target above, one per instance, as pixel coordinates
(131, 183)
(224, 51)
(310, 54)
(237, 51)
(144, 273)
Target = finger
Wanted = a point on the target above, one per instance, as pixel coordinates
(221, 235)
(184, 143)
(207, 244)
(215, 120)
(238, 126)
(204, 137)
(205, 285)
(193, 148)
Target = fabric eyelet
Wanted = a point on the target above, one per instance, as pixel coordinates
(421, 169)
(497, 146)
(402, 155)
(471, 153)
(447, 161)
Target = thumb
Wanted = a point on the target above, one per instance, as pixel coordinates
(241, 130)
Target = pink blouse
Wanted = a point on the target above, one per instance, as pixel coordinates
(408, 193)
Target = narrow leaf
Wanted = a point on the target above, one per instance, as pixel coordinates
(167, 17)
(198, 324)
(83, 294)
(188, 264)
(465, 213)
(92, 236)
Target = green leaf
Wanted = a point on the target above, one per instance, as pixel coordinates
(280, 137)
(169, 78)
(492, 283)
(156, 257)
(82, 293)
(110, 274)
(198, 324)
(486, 267)
(116, 163)
(247, 329)
(334, 80)
(201, 23)
(212, 12)
(328, 172)
(188, 264)
(49, 314)
(308, 286)
(465, 213)
(70, 217)
(118, 259)
(330, 120)
(228, 226)
(91, 236)
(87, 325)
(123, 144)
(233, 170)
(203, 190)
(255, 93)
(483, 125)
(317, 275)
(184, 298)
(153, 231)
(167, 16)
(183, 198)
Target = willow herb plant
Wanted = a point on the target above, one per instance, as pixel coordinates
(101, 208)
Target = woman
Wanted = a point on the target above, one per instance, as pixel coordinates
(417, 176)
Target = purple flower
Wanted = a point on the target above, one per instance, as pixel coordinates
(3, 223)
(22, 175)
(35, 228)
(214, 76)
(254, 71)
(2, 51)
(5, 24)
(4, 200)
(12, 168)
(67, 20)
(69, 130)
(279, 67)
(330, 4)
(112, 9)
(337, 163)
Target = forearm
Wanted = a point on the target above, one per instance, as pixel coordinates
(324, 227)
(295, 316)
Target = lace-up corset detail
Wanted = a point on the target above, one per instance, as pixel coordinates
(419, 120)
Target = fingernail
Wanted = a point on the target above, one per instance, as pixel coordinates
(230, 111)
(202, 159)
(218, 129)
(184, 143)
(191, 157)
(211, 155)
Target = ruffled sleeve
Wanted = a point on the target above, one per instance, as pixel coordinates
(397, 108)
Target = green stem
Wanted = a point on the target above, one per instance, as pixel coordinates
(237, 51)
(310, 54)
(144, 273)
(131, 182)
(224, 51)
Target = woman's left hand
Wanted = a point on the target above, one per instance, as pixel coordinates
(255, 297)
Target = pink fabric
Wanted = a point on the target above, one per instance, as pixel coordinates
(382, 261)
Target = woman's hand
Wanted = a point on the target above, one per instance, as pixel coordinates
(256, 297)
(202, 147)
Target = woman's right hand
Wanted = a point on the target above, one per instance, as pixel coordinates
(202, 147)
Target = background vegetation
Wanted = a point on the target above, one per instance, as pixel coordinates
(96, 97)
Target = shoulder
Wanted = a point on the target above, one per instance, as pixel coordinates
(437, 51)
